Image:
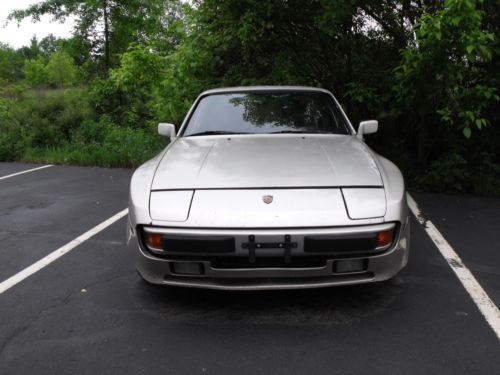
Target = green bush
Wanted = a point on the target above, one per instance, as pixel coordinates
(453, 173)
(486, 178)
(102, 144)
(60, 126)
(40, 119)
(61, 70)
(446, 173)
(127, 95)
(91, 132)
(11, 144)
(35, 72)
(48, 118)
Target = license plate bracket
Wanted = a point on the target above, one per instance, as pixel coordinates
(287, 245)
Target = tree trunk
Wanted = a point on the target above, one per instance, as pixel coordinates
(106, 37)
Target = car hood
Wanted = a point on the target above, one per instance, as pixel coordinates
(251, 161)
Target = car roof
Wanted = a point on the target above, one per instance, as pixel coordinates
(223, 90)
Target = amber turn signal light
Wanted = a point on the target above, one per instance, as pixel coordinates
(154, 241)
(385, 238)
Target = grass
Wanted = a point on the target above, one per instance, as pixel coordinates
(91, 155)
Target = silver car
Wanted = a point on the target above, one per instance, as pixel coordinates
(267, 187)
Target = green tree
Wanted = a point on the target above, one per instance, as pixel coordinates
(32, 51)
(442, 77)
(108, 27)
(10, 64)
(127, 95)
(348, 46)
(35, 72)
(428, 69)
(61, 70)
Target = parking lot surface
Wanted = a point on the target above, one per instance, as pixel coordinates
(89, 313)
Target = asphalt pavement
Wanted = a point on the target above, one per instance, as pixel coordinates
(89, 313)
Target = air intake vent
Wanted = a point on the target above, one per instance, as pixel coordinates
(339, 245)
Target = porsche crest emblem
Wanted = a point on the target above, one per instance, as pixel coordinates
(267, 199)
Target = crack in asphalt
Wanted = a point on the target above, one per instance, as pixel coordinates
(46, 311)
(19, 331)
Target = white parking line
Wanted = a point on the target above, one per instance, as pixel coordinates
(35, 267)
(23, 172)
(486, 306)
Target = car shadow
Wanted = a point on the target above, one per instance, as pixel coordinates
(324, 306)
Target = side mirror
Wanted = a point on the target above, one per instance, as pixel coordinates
(367, 127)
(167, 130)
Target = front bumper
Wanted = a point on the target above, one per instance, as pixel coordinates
(377, 267)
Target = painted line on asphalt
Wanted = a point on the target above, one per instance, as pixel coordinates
(27, 171)
(486, 306)
(56, 254)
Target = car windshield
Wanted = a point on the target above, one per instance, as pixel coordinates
(266, 113)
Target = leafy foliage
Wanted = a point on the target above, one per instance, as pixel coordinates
(61, 127)
(445, 66)
(61, 70)
(35, 72)
(106, 28)
(127, 95)
(428, 70)
(9, 64)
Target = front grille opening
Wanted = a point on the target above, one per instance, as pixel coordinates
(340, 245)
(268, 262)
(199, 244)
(182, 245)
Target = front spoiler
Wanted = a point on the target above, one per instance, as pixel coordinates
(380, 267)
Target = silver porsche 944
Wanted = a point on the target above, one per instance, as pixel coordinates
(267, 188)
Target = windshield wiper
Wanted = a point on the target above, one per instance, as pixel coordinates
(214, 132)
(288, 131)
